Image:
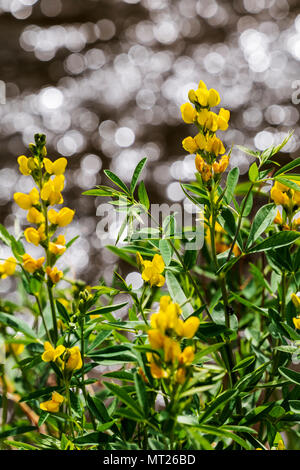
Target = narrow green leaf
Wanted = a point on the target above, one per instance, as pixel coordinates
(264, 217)
(136, 174)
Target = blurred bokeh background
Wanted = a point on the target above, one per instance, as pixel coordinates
(104, 80)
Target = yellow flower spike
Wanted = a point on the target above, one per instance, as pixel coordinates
(33, 236)
(213, 98)
(51, 354)
(296, 300)
(34, 216)
(52, 405)
(279, 197)
(58, 247)
(187, 356)
(54, 274)
(57, 167)
(152, 271)
(26, 201)
(74, 361)
(188, 112)
(30, 264)
(158, 372)
(180, 375)
(23, 165)
(190, 327)
(62, 218)
(189, 144)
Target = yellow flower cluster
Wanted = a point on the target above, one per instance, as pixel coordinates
(49, 178)
(52, 405)
(8, 267)
(289, 199)
(152, 270)
(206, 144)
(70, 357)
(167, 329)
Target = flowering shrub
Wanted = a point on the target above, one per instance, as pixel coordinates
(206, 355)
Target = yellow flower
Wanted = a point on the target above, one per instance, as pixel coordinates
(220, 167)
(296, 322)
(34, 216)
(223, 118)
(61, 218)
(180, 375)
(201, 141)
(187, 356)
(189, 144)
(172, 350)
(202, 95)
(51, 190)
(30, 264)
(55, 168)
(8, 267)
(26, 201)
(190, 327)
(74, 360)
(188, 112)
(295, 300)
(208, 119)
(157, 372)
(35, 236)
(54, 274)
(215, 145)
(53, 404)
(23, 165)
(16, 348)
(278, 219)
(51, 354)
(58, 247)
(279, 197)
(213, 98)
(152, 271)
(156, 339)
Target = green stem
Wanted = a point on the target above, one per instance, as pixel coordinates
(4, 396)
(53, 312)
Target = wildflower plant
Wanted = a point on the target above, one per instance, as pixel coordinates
(204, 357)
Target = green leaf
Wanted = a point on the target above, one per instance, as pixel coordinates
(232, 180)
(166, 251)
(115, 179)
(102, 336)
(287, 182)
(275, 241)
(121, 254)
(253, 172)
(263, 218)
(120, 393)
(98, 409)
(17, 430)
(291, 375)
(116, 354)
(248, 151)
(216, 404)
(177, 294)
(295, 406)
(136, 174)
(141, 393)
(244, 363)
(17, 324)
(143, 196)
(5, 236)
(106, 309)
